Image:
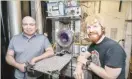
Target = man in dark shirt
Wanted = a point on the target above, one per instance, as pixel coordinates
(107, 56)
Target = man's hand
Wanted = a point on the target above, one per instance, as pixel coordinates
(82, 59)
(86, 54)
(21, 67)
(78, 74)
(33, 61)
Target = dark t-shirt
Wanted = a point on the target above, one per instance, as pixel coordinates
(108, 53)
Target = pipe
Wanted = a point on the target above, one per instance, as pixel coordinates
(38, 16)
(14, 17)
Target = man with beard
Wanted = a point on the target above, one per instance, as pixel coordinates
(105, 57)
(27, 47)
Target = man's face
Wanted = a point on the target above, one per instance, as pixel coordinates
(29, 26)
(94, 31)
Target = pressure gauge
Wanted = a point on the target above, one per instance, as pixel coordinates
(83, 49)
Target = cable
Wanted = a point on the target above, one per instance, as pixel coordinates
(121, 40)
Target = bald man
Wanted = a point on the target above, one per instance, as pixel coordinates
(27, 47)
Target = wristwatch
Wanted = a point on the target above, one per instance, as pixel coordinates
(88, 63)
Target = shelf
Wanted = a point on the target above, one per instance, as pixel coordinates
(61, 17)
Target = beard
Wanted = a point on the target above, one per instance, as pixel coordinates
(94, 36)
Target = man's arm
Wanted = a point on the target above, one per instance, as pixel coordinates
(48, 53)
(11, 61)
(79, 71)
(107, 72)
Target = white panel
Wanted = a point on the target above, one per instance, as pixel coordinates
(113, 33)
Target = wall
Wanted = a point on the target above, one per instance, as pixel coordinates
(109, 11)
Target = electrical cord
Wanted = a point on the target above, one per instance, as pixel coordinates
(121, 40)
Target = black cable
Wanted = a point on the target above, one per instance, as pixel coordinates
(25, 75)
(121, 40)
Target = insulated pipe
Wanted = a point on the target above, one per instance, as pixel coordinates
(14, 17)
(38, 16)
